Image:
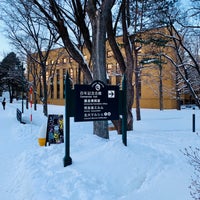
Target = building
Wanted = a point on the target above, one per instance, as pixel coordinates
(157, 75)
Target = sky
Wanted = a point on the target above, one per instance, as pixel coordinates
(5, 47)
(151, 167)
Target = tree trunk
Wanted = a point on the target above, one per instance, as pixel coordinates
(161, 87)
(137, 88)
(178, 97)
(98, 19)
(129, 69)
(45, 108)
(99, 66)
(119, 57)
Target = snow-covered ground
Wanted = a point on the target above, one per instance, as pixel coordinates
(151, 167)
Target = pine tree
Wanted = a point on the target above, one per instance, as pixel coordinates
(12, 76)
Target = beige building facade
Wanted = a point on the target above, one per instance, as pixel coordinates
(157, 79)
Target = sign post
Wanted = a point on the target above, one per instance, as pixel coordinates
(67, 159)
(124, 112)
(96, 101)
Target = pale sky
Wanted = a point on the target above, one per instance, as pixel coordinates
(5, 47)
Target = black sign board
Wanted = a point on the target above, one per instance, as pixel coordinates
(96, 102)
(55, 129)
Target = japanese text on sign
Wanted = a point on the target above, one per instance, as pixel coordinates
(96, 102)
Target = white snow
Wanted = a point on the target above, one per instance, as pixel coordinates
(151, 167)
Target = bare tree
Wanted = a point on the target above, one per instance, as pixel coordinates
(136, 18)
(126, 63)
(29, 34)
(186, 68)
(193, 156)
(189, 71)
(58, 15)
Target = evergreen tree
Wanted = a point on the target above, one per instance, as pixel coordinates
(12, 76)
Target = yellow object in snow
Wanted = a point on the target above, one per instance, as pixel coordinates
(42, 141)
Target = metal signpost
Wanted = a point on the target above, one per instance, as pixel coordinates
(93, 102)
(68, 109)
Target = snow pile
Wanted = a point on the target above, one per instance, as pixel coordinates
(151, 167)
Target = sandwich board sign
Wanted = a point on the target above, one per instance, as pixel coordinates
(54, 133)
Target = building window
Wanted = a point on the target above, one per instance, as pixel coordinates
(64, 77)
(71, 73)
(109, 69)
(58, 83)
(64, 60)
(47, 75)
(109, 53)
(70, 60)
(118, 71)
(51, 88)
(77, 75)
(50, 62)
